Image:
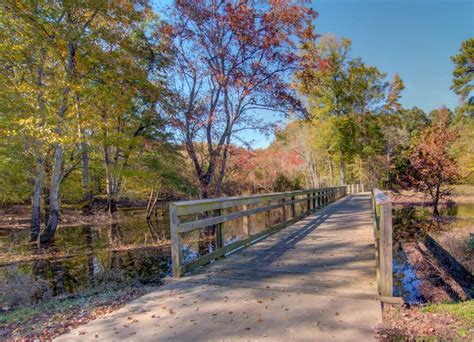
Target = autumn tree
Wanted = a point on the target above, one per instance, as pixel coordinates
(430, 167)
(57, 57)
(233, 59)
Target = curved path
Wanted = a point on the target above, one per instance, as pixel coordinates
(312, 281)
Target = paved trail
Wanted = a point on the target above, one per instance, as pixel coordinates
(312, 281)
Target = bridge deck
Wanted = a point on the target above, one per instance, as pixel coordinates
(314, 280)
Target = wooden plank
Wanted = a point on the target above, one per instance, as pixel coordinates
(392, 300)
(189, 226)
(293, 209)
(219, 231)
(176, 252)
(197, 206)
(245, 222)
(386, 281)
(205, 259)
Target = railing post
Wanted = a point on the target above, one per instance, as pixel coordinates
(176, 251)
(314, 200)
(318, 194)
(245, 222)
(267, 216)
(284, 209)
(219, 232)
(308, 202)
(293, 208)
(386, 281)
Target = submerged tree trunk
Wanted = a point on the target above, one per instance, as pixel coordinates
(56, 176)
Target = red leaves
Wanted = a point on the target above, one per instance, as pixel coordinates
(430, 164)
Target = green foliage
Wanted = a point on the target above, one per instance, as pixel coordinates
(284, 183)
(463, 74)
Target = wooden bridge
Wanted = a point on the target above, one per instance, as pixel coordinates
(316, 266)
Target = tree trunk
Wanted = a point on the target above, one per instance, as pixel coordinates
(57, 172)
(36, 200)
(40, 161)
(343, 172)
(56, 176)
(387, 167)
(86, 191)
(436, 201)
(331, 169)
(85, 173)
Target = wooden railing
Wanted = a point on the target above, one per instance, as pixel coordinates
(382, 207)
(188, 216)
(354, 188)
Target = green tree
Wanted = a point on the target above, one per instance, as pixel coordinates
(463, 74)
(80, 74)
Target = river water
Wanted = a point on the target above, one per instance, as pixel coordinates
(125, 253)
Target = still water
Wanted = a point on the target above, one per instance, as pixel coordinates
(130, 251)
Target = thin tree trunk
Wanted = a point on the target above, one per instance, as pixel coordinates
(387, 166)
(343, 172)
(436, 201)
(40, 160)
(36, 200)
(331, 169)
(85, 172)
(86, 191)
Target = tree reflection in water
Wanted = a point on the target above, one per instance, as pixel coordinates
(83, 257)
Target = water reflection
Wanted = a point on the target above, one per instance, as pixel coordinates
(82, 257)
(132, 250)
(405, 282)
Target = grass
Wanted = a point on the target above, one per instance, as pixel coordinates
(463, 190)
(463, 311)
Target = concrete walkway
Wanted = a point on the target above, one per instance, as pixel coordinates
(312, 281)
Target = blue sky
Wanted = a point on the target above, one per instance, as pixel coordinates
(414, 38)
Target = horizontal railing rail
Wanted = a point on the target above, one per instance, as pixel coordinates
(189, 216)
(383, 230)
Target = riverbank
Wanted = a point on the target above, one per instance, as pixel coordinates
(437, 252)
(460, 194)
(19, 216)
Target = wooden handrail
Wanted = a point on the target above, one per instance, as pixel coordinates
(383, 230)
(208, 213)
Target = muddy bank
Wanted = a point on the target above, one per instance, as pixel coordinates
(19, 216)
(442, 278)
